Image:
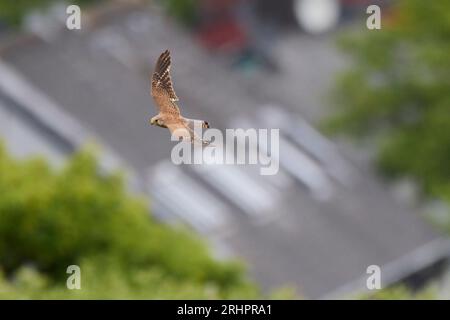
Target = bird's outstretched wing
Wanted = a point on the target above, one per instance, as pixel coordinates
(162, 88)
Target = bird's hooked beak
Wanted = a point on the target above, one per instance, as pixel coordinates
(152, 121)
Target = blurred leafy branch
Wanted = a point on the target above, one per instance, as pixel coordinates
(398, 91)
(13, 12)
(185, 11)
(398, 85)
(401, 292)
(50, 219)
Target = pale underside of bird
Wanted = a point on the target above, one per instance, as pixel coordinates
(169, 115)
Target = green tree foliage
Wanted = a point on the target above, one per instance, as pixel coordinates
(50, 219)
(399, 85)
(183, 10)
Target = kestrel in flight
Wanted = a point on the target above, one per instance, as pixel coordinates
(169, 115)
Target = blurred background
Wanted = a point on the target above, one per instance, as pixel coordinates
(364, 119)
